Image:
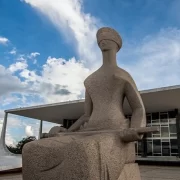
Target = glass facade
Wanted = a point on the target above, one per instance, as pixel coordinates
(164, 142)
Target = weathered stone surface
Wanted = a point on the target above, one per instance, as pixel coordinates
(130, 172)
(94, 156)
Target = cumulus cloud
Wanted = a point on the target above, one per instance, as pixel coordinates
(60, 80)
(29, 131)
(18, 66)
(79, 27)
(9, 83)
(9, 99)
(3, 40)
(155, 61)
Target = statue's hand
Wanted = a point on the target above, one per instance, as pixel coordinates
(55, 130)
(130, 135)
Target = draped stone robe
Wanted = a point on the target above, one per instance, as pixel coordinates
(91, 157)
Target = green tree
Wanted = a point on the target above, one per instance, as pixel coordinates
(18, 148)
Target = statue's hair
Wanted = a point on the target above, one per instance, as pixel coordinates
(109, 34)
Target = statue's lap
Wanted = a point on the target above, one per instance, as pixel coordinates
(49, 152)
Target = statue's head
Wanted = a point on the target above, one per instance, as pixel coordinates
(108, 38)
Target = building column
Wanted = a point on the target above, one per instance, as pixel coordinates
(3, 132)
(40, 129)
(178, 132)
(3, 135)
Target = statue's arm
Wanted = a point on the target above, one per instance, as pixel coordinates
(138, 118)
(88, 106)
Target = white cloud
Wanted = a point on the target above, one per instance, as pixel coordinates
(21, 57)
(18, 66)
(29, 131)
(1, 120)
(156, 59)
(34, 54)
(60, 80)
(78, 27)
(10, 141)
(10, 83)
(13, 51)
(3, 40)
(9, 99)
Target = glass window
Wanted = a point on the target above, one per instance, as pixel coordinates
(157, 154)
(173, 135)
(149, 148)
(156, 134)
(174, 146)
(172, 128)
(149, 135)
(157, 146)
(164, 117)
(164, 132)
(172, 114)
(155, 117)
(148, 117)
(139, 147)
(172, 120)
(165, 149)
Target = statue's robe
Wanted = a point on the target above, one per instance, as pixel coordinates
(90, 157)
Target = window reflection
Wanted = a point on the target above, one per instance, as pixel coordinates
(139, 148)
(165, 149)
(149, 148)
(164, 117)
(164, 132)
(174, 146)
(172, 128)
(164, 142)
(156, 146)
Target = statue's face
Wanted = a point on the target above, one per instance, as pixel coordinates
(106, 45)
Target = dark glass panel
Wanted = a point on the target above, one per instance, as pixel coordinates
(164, 117)
(165, 149)
(174, 146)
(136, 147)
(155, 116)
(149, 148)
(139, 148)
(148, 117)
(172, 114)
(156, 146)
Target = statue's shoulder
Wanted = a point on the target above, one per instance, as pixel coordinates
(91, 77)
(122, 74)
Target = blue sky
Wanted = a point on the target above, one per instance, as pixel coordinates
(48, 48)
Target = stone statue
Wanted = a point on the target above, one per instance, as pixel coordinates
(99, 145)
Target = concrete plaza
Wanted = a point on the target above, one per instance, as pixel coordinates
(147, 173)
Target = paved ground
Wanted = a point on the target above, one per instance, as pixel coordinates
(160, 173)
(147, 173)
